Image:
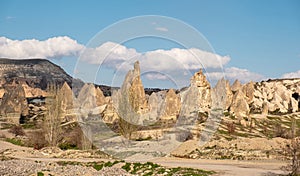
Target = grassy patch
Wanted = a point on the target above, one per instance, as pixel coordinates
(14, 141)
(40, 174)
(98, 166)
(67, 146)
(5, 126)
(145, 169)
(29, 126)
(150, 168)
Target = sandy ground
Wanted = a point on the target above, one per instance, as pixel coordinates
(222, 167)
(227, 167)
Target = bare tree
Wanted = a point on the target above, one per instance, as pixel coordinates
(52, 119)
(292, 150)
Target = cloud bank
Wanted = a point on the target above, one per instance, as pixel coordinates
(233, 73)
(55, 47)
(118, 57)
(295, 74)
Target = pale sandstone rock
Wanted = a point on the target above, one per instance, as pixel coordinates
(67, 96)
(33, 92)
(2, 92)
(236, 86)
(239, 105)
(197, 98)
(100, 98)
(248, 90)
(222, 94)
(172, 104)
(14, 103)
(87, 97)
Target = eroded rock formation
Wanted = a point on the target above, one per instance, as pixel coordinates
(197, 98)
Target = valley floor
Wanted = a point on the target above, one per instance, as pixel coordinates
(16, 159)
(227, 167)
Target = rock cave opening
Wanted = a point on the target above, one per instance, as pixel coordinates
(296, 96)
(22, 119)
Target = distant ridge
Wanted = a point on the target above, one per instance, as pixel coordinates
(38, 73)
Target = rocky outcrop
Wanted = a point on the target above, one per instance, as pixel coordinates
(239, 105)
(248, 90)
(130, 101)
(37, 73)
(276, 96)
(171, 106)
(109, 115)
(14, 103)
(197, 98)
(236, 86)
(155, 102)
(33, 92)
(67, 96)
(88, 101)
(222, 95)
(100, 98)
(133, 84)
(87, 97)
(2, 92)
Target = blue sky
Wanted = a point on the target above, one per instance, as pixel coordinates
(261, 36)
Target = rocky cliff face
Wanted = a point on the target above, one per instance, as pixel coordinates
(37, 73)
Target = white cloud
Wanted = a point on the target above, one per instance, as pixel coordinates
(189, 59)
(156, 76)
(295, 74)
(55, 47)
(165, 61)
(234, 73)
(112, 54)
(176, 61)
(163, 29)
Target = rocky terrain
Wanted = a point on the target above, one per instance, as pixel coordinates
(252, 121)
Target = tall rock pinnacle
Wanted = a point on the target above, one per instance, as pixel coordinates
(197, 98)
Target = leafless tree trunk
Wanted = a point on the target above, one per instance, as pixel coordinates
(292, 150)
(52, 120)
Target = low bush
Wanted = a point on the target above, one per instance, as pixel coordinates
(17, 130)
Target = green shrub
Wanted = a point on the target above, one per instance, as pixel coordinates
(15, 141)
(67, 146)
(127, 167)
(40, 174)
(98, 166)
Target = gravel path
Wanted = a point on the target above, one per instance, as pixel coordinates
(227, 167)
(28, 167)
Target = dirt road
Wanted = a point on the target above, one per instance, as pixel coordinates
(222, 167)
(227, 167)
